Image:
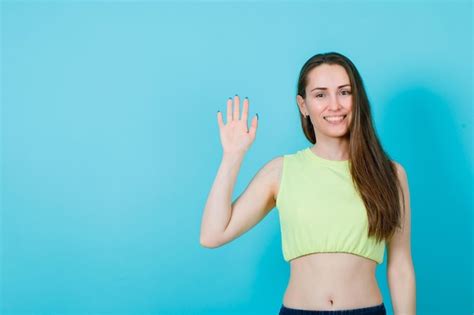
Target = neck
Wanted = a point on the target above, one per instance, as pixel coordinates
(332, 148)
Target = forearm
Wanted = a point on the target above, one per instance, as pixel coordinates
(218, 209)
(403, 291)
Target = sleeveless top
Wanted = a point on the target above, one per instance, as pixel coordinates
(320, 210)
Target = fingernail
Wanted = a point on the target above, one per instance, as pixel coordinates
(257, 115)
(246, 98)
(218, 111)
(236, 95)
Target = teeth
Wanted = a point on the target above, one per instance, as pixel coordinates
(334, 118)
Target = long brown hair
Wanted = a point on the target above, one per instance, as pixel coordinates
(373, 173)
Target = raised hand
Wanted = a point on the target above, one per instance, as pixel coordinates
(235, 135)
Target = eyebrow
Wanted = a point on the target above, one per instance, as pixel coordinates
(325, 88)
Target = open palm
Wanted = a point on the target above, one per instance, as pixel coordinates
(235, 135)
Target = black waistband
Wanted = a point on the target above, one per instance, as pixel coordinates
(371, 310)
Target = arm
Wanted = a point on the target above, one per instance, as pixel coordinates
(400, 270)
(222, 221)
(217, 211)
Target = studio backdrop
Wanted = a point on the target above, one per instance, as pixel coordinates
(110, 145)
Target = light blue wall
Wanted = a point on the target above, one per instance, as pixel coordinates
(110, 145)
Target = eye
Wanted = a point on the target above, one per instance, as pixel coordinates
(317, 95)
(347, 91)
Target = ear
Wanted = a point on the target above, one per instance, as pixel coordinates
(301, 105)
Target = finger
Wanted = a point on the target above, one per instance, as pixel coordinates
(229, 110)
(245, 110)
(236, 107)
(220, 122)
(253, 127)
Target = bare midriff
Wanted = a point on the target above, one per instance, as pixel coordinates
(332, 281)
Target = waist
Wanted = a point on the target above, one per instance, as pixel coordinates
(332, 281)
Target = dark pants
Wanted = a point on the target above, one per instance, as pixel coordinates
(372, 310)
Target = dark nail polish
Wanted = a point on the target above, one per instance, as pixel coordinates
(257, 115)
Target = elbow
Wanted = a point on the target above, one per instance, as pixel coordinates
(208, 242)
(406, 275)
(401, 269)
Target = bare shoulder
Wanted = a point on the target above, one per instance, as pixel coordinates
(401, 173)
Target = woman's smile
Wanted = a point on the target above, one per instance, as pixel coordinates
(335, 120)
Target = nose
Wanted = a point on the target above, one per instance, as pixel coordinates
(334, 103)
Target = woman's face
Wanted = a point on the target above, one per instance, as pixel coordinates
(328, 100)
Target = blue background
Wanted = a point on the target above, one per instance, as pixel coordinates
(110, 145)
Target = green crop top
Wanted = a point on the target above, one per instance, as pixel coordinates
(320, 209)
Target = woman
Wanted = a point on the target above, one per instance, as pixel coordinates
(341, 201)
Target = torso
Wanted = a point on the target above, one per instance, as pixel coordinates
(330, 281)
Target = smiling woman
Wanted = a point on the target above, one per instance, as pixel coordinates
(332, 116)
(340, 201)
(356, 200)
(327, 104)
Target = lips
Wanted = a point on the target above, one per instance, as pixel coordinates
(334, 119)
